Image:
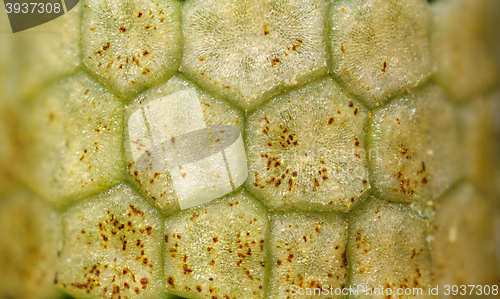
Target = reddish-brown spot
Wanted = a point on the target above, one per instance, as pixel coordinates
(135, 210)
(275, 61)
(186, 269)
(144, 282)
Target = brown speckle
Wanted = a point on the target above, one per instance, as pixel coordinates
(344, 258)
(186, 269)
(135, 210)
(275, 61)
(144, 282)
(170, 281)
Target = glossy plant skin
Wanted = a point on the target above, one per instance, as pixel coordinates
(369, 155)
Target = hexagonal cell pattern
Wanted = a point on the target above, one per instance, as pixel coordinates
(413, 147)
(480, 130)
(73, 140)
(133, 44)
(305, 149)
(176, 114)
(28, 250)
(387, 248)
(248, 50)
(462, 46)
(307, 251)
(379, 47)
(111, 247)
(49, 51)
(463, 242)
(217, 249)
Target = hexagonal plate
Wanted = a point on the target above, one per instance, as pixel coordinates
(307, 251)
(480, 141)
(387, 248)
(305, 149)
(463, 243)
(379, 47)
(462, 46)
(111, 247)
(28, 250)
(49, 51)
(217, 249)
(413, 147)
(133, 44)
(248, 50)
(172, 151)
(73, 140)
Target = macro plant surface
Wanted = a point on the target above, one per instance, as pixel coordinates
(250, 149)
